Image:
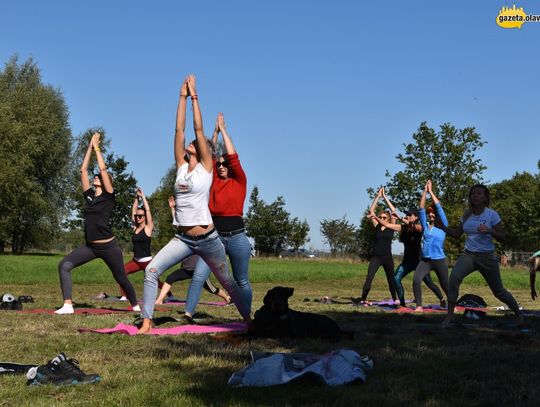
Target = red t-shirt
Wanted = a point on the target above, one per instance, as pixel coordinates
(227, 196)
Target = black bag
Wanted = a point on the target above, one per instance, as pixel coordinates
(10, 303)
(472, 301)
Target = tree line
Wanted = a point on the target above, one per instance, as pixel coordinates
(41, 202)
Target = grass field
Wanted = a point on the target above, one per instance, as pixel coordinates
(416, 363)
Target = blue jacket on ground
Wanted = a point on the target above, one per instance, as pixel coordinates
(433, 239)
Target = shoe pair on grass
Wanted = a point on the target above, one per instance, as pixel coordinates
(60, 371)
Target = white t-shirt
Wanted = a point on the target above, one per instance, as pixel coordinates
(192, 192)
(476, 241)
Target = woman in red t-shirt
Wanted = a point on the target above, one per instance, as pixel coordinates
(227, 196)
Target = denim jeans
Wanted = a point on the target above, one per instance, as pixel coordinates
(404, 269)
(210, 249)
(238, 249)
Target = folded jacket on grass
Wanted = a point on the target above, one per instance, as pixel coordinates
(177, 330)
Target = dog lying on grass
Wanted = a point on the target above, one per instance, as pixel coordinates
(276, 320)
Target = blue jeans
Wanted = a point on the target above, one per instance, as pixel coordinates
(238, 249)
(210, 249)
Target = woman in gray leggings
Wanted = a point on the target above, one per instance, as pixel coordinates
(480, 224)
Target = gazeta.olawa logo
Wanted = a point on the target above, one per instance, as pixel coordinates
(515, 17)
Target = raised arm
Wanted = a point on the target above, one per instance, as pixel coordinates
(440, 210)
(216, 133)
(106, 183)
(205, 155)
(389, 225)
(424, 193)
(373, 206)
(172, 207)
(134, 210)
(392, 208)
(179, 135)
(229, 146)
(149, 228)
(85, 182)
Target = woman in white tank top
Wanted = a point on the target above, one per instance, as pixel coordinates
(195, 231)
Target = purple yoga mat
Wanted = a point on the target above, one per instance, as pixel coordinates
(177, 330)
(79, 311)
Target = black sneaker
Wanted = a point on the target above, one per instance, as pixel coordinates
(60, 371)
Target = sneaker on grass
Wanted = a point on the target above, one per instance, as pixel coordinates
(66, 309)
(60, 371)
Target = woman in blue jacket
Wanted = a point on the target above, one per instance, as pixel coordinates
(433, 257)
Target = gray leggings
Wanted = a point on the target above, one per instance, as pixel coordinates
(422, 270)
(110, 252)
(488, 266)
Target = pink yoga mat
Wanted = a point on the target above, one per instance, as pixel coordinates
(435, 309)
(182, 302)
(177, 330)
(78, 311)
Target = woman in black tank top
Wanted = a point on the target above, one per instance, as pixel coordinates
(100, 241)
(143, 226)
(382, 250)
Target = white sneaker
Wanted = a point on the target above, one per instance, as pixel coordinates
(136, 308)
(123, 298)
(66, 309)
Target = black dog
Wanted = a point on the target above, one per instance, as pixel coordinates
(275, 320)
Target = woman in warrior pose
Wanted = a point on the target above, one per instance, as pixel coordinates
(100, 241)
(195, 233)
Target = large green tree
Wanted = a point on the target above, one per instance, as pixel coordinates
(271, 226)
(516, 200)
(448, 157)
(124, 184)
(35, 145)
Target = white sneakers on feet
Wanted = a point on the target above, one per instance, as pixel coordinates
(136, 308)
(122, 298)
(66, 309)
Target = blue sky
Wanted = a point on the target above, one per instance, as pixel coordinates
(318, 96)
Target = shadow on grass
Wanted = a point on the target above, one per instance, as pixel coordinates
(488, 362)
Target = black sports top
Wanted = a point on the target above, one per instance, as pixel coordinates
(383, 241)
(141, 244)
(97, 215)
(412, 242)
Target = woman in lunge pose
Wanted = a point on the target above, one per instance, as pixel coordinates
(227, 197)
(433, 257)
(382, 248)
(100, 241)
(410, 234)
(196, 233)
(480, 224)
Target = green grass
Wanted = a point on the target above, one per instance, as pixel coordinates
(416, 362)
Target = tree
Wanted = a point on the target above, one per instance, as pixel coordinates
(366, 237)
(298, 235)
(448, 158)
(124, 184)
(35, 144)
(516, 200)
(158, 201)
(271, 226)
(340, 235)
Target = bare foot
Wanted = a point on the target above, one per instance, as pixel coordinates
(225, 296)
(419, 309)
(146, 327)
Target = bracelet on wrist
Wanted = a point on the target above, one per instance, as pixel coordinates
(194, 97)
(97, 149)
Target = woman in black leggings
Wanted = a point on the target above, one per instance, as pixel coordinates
(382, 249)
(100, 241)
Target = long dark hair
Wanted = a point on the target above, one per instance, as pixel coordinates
(468, 212)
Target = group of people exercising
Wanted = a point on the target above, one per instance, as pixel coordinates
(423, 233)
(207, 209)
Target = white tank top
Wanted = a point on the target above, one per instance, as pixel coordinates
(192, 192)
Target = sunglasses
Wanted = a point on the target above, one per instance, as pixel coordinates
(221, 164)
(383, 217)
(139, 216)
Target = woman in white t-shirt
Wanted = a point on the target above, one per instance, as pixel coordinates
(480, 224)
(195, 231)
